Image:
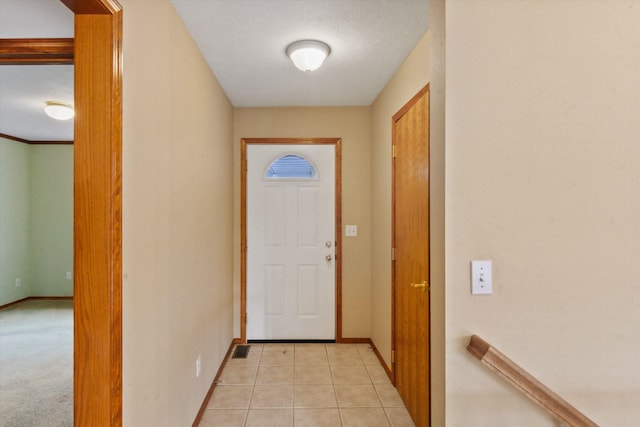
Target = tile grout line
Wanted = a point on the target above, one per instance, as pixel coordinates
(253, 388)
(335, 392)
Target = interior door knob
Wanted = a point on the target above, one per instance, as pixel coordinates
(328, 258)
(424, 286)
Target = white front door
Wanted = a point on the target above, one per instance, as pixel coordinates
(290, 242)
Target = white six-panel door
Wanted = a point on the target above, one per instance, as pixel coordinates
(290, 245)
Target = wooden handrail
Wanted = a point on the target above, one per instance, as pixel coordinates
(527, 384)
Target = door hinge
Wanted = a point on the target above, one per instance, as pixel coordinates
(394, 151)
(393, 356)
(393, 254)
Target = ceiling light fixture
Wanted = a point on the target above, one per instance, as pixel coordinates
(308, 55)
(59, 110)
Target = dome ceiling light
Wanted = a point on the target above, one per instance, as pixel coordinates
(308, 55)
(59, 110)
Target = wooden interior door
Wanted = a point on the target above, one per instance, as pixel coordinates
(411, 256)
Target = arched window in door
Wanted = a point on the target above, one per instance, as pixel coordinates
(291, 166)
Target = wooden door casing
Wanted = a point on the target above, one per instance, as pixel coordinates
(243, 224)
(411, 256)
(97, 212)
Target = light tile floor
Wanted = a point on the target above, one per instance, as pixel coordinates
(306, 385)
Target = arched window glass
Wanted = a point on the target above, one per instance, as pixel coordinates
(291, 166)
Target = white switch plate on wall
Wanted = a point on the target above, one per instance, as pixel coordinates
(481, 277)
(351, 230)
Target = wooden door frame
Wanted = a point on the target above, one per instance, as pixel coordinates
(97, 212)
(243, 222)
(425, 91)
(401, 112)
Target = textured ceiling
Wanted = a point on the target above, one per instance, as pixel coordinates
(244, 43)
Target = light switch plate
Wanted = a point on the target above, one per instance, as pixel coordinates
(351, 230)
(481, 277)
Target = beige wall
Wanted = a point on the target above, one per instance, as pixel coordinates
(422, 66)
(541, 177)
(177, 193)
(437, 206)
(412, 76)
(352, 124)
(542, 159)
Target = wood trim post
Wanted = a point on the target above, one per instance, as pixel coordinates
(98, 213)
(243, 241)
(338, 247)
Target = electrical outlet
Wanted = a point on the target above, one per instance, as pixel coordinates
(198, 366)
(18, 282)
(68, 276)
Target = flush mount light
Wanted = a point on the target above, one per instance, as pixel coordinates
(58, 110)
(308, 55)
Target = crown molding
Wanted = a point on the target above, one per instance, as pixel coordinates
(26, 141)
(51, 51)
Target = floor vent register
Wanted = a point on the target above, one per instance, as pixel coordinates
(241, 352)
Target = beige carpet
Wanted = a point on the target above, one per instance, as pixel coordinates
(36, 364)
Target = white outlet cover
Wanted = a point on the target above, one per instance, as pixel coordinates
(481, 277)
